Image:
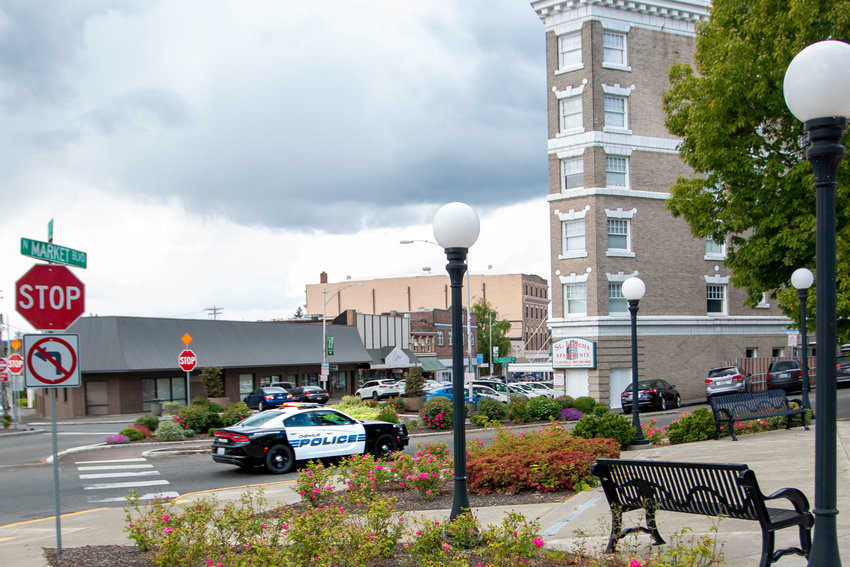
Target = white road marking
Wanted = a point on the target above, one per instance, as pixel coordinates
(109, 485)
(118, 474)
(116, 467)
(108, 461)
(146, 496)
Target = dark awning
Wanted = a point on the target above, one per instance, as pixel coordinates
(431, 364)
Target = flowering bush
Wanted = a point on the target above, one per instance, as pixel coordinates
(234, 414)
(395, 404)
(542, 408)
(546, 460)
(427, 471)
(116, 439)
(148, 420)
(132, 434)
(570, 414)
(314, 483)
(437, 413)
(491, 409)
(696, 426)
(654, 433)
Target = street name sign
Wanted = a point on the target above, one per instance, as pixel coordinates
(504, 359)
(187, 360)
(52, 253)
(52, 361)
(50, 297)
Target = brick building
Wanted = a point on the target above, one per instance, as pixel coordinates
(611, 163)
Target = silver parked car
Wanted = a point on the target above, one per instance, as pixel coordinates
(726, 380)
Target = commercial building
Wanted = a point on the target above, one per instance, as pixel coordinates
(611, 164)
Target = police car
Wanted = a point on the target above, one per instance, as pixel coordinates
(276, 439)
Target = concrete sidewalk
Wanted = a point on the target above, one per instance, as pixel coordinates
(780, 459)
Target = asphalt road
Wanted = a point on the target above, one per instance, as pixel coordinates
(86, 478)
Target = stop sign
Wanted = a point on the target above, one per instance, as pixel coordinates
(187, 360)
(16, 363)
(50, 297)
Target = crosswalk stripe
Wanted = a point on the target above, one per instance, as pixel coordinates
(116, 467)
(132, 460)
(109, 485)
(118, 474)
(147, 496)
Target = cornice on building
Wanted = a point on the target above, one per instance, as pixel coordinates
(663, 325)
(651, 13)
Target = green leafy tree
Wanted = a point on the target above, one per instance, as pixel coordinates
(299, 313)
(213, 384)
(755, 188)
(487, 314)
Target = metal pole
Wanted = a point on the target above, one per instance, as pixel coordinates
(490, 365)
(469, 326)
(188, 403)
(55, 472)
(324, 328)
(639, 438)
(825, 153)
(803, 294)
(456, 267)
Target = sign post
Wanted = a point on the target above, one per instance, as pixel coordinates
(187, 361)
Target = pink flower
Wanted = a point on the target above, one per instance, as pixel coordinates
(209, 562)
(167, 530)
(166, 518)
(446, 547)
(634, 563)
(514, 534)
(538, 542)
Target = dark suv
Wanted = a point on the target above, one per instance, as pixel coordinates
(842, 369)
(784, 375)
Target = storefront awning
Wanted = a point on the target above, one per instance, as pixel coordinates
(431, 364)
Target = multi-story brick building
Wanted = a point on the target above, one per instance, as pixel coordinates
(611, 164)
(520, 298)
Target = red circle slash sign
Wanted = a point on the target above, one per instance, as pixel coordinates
(64, 368)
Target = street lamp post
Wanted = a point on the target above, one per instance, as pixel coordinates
(802, 279)
(816, 87)
(456, 228)
(325, 300)
(633, 290)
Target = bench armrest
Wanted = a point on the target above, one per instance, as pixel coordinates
(795, 496)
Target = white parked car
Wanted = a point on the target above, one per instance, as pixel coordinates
(488, 392)
(538, 389)
(378, 389)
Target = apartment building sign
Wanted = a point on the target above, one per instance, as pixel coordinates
(574, 353)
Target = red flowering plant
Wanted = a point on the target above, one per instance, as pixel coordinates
(314, 483)
(437, 413)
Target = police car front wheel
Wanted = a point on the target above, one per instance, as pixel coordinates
(280, 459)
(385, 445)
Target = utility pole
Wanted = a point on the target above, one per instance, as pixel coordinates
(214, 312)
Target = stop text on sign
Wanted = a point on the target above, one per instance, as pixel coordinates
(55, 296)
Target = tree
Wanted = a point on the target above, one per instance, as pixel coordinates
(213, 384)
(485, 314)
(299, 313)
(414, 385)
(756, 188)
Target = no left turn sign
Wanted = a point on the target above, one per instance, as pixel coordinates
(52, 361)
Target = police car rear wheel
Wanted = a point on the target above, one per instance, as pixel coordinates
(385, 445)
(280, 459)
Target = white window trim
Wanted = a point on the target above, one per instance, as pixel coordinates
(625, 312)
(714, 256)
(570, 131)
(561, 166)
(620, 213)
(763, 304)
(719, 280)
(575, 67)
(573, 280)
(623, 92)
(628, 169)
(620, 276)
(569, 92)
(572, 214)
(621, 252)
(610, 27)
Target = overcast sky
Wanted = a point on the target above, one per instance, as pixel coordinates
(223, 153)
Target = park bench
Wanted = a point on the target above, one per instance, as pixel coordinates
(753, 405)
(707, 489)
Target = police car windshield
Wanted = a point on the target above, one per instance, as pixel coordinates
(259, 419)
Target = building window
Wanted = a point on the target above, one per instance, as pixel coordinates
(614, 48)
(439, 338)
(338, 382)
(715, 299)
(751, 352)
(618, 234)
(616, 171)
(778, 352)
(615, 112)
(571, 116)
(714, 250)
(450, 338)
(616, 302)
(572, 173)
(569, 50)
(575, 299)
(573, 231)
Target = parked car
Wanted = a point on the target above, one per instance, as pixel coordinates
(652, 394)
(784, 375)
(315, 394)
(515, 390)
(842, 369)
(284, 385)
(726, 380)
(268, 397)
(448, 392)
(540, 389)
(378, 389)
(429, 384)
(276, 439)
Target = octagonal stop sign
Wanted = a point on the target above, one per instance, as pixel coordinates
(50, 297)
(187, 360)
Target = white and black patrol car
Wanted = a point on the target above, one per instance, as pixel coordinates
(275, 439)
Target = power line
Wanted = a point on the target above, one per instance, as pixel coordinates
(214, 312)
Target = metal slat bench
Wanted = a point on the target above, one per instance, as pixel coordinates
(706, 489)
(753, 405)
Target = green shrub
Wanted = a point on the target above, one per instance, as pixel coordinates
(348, 401)
(518, 411)
(396, 405)
(213, 384)
(169, 431)
(199, 401)
(195, 417)
(696, 426)
(132, 434)
(600, 410)
(564, 402)
(542, 408)
(143, 429)
(148, 420)
(211, 431)
(607, 426)
(584, 404)
(437, 413)
(387, 414)
(492, 409)
(362, 411)
(414, 385)
(234, 414)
